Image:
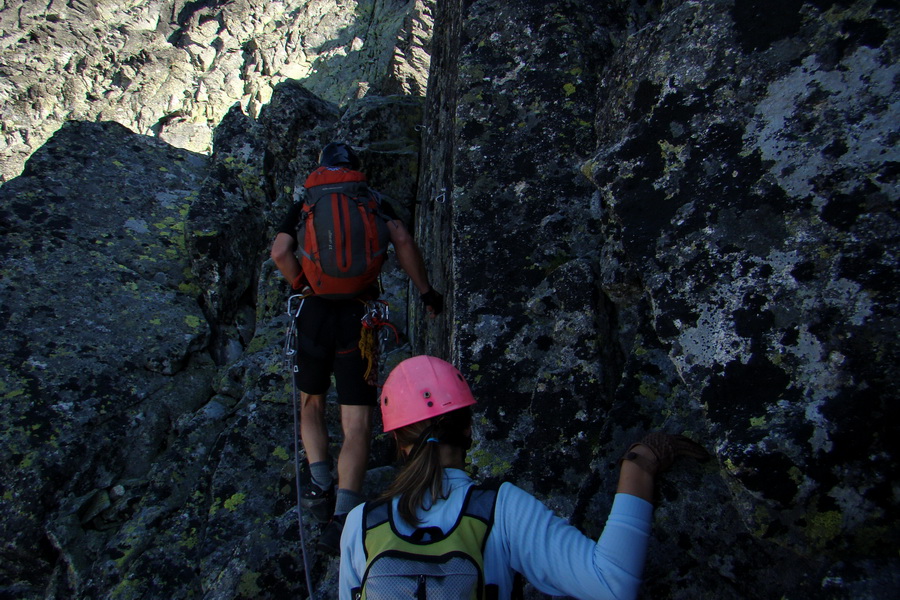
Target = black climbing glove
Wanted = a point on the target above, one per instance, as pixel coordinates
(433, 300)
(665, 448)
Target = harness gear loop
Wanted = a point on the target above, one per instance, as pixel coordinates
(376, 327)
(290, 351)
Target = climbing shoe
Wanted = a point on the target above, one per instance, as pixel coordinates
(318, 502)
(330, 540)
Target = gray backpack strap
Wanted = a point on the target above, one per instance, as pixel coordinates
(374, 514)
(481, 502)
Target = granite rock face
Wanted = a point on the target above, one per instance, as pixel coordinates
(728, 271)
(172, 69)
(765, 229)
(672, 215)
(101, 335)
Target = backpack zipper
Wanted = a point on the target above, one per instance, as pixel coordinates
(421, 594)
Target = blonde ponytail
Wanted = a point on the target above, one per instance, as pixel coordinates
(423, 473)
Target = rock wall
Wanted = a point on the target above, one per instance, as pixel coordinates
(682, 215)
(765, 229)
(172, 69)
(676, 215)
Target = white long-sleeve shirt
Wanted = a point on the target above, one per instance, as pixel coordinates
(527, 537)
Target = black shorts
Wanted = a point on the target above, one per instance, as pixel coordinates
(328, 333)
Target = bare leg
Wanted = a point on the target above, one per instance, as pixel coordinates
(356, 422)
(313, 432)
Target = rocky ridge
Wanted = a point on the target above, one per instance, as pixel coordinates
(157, 431)
(172, 69)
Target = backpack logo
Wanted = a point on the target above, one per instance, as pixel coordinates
(342, 235)
(427, 564)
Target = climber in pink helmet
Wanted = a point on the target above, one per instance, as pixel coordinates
(435, 533)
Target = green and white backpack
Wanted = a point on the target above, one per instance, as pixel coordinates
(428, 564)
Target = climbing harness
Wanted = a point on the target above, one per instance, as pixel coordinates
(290, 351)
(376, 329)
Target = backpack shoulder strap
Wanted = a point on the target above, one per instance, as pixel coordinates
(480, 503)
(378, 199)
(375, 513)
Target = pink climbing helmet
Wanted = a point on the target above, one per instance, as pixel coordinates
(420, 388)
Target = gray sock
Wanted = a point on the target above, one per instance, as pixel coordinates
(320, 473)
(346, 501)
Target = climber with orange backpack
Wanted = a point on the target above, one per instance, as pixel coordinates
(340, 229)
(436, 534)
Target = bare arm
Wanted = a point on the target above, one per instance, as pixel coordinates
(283, 256)
(634, 480)
(408, 255)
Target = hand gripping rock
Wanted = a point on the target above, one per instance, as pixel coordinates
(665, 448)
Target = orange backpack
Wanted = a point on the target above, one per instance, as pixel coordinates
(342, 235)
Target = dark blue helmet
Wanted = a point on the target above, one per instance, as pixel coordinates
(339, 154)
